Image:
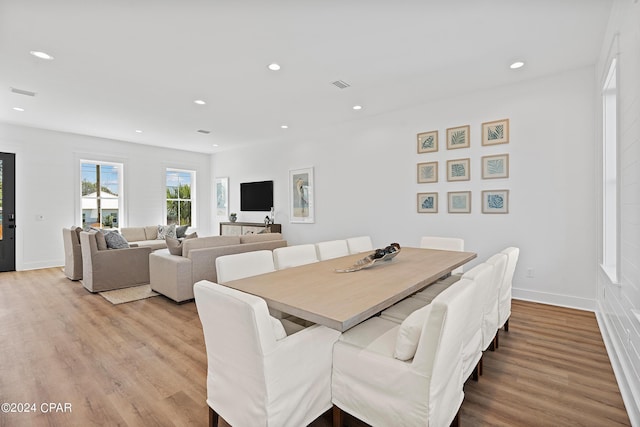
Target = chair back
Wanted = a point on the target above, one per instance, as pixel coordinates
(359, 244)
(444, 244)
(292, 256)
(332, 249)
(490, 315)
(504, 307)
(439, 353)
(237, 335)
(245, 264)
(72, 253)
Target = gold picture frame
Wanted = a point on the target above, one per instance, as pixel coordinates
(495, 132)
(427, 142)
(496, 166)
(427, 202)
(459, 201)
(427, 172)
(495, 201)
(459, 169)
(459, 137)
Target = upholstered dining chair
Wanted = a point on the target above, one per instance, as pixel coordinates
(490, 316)
(332, 249)
(359, 244)
(293, 256)
(389, 374)
(445, 244)
(504, 306)
(257, 375)
(245, 264)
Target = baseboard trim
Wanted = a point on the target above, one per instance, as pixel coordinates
(554, 299)
(38, 265)
(619, 368)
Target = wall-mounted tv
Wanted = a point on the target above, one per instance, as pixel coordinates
(256, 196)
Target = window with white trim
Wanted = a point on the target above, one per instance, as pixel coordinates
(610, 174)
(101, 194)
(180, 194)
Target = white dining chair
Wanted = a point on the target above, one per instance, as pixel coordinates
(504, 307)
(359, 244)
(245, 264)
(445, 244)
(332, 249)
(257, 374)
(292, 256)
(390, 374)
(491, 316)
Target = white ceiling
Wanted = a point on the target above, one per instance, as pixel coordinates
(122, 65)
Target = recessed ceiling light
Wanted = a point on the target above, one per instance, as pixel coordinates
(215, 145)
(138, 131)
(41, 55)
(274, 67)
(18, 108)
(357, 107)
(199, 102)
(516, 65)
(284, 127)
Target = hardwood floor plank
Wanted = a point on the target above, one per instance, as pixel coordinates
(144, 363)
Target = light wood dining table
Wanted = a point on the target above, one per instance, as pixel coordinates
(317, 293)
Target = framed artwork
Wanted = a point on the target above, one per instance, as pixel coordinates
(458, 170)
(495, 201)
(428, 142)
(427, 202)
(496, 132)
(222, 197)
(427, 172)
(301, 206)
(458, 137)
(495, 166)
(459, 201)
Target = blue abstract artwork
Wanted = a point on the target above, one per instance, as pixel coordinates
(495, 201)
(427, 203)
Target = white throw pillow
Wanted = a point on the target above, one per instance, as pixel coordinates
(278, 329)
(165, 231)
(409, 333)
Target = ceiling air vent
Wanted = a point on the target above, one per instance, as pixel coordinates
(340, 84)
(206, 132)
(22, 92)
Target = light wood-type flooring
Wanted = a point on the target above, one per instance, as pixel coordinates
(144, 363)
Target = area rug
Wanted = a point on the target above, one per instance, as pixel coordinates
(121, 296)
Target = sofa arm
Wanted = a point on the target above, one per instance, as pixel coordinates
(119, 268)
(171, 275)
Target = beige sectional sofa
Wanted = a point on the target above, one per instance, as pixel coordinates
(144, 236)
(175, 275)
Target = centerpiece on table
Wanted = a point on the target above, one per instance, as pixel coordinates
(385, 254)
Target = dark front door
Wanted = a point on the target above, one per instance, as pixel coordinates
(7, 212)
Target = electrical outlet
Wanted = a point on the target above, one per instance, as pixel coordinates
(530, 272)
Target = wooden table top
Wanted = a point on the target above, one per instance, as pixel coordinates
(316, 292)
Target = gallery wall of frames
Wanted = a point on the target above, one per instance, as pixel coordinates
(457, 167)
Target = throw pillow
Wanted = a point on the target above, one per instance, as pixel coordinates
(115, 240)
(101, 241)
(175, 245)
(181, 231)
(166, 231)
(409, 333)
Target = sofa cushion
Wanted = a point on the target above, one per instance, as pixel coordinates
(409, 333)
(133, 234)
(181, 231)
(115, 240)
(208, 242)
(165, 231)
(254, 238)
(175, 246)
(151, 232)
(154, 244)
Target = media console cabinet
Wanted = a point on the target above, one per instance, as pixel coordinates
(242, 228)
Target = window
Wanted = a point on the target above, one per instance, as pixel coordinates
(101, 193)
(610, 175)
(180, 186)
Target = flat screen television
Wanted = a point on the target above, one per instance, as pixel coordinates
(256, 196)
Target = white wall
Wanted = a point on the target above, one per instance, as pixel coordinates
(365, 175)
(47, 176)
(618, 305)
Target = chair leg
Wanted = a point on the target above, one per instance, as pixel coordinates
(480, 365)
(213, 418)
(475, 374)
(496, 339)
(338, 417)
(506, 326)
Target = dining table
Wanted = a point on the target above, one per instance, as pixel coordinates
(319, 293)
